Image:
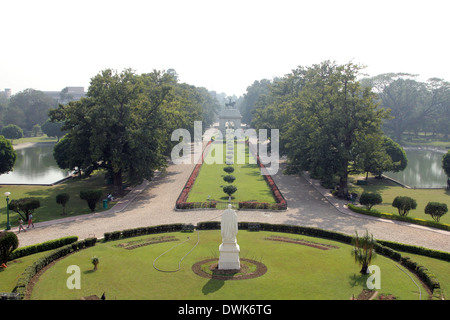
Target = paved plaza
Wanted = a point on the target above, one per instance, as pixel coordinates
(153, 203)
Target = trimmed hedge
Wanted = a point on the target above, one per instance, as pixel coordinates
(128, 233)
(38, 265)
(40, 247)
(181, 201)
(385, 215)
(385, 248)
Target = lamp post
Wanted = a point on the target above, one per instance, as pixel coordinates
(8, 225)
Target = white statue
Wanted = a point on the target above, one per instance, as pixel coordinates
(229, 225)
(229, 249)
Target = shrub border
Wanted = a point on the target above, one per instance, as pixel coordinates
(38, 265)
(385, 215)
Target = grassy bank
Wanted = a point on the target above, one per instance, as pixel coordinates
(250, 184)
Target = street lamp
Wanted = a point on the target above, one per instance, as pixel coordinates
(8, 225)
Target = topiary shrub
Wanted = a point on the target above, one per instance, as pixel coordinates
(369, 199)
(404, 205)
(228, 169)
(25, 205)
(229, 189)
(436, 210)
(62, 199)
(8, 243)
(91, 197)
(229, 178)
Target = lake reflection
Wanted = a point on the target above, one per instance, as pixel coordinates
(34, 165)
(424, 170)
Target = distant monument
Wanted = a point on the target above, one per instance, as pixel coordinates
(229, 116)
(229, 249)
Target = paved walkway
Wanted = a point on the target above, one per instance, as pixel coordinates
(153, 203)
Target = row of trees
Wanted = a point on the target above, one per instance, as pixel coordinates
(329, 123)
(415, 106)
(124, 123)
(26, 109)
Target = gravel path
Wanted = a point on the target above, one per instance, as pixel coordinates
(153, 203)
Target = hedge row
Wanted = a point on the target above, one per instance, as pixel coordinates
(40, 247)
(128, 233)
(385, 248)
(391, 216)
(281, 202)
(38, 265)
(181, 201)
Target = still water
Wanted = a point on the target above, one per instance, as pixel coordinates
(424, 169)
(34, 165)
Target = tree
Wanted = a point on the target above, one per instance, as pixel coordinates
(369, 199)
(404, 205)
(446, 163)
(91, 197)
(229, 189)
(436, 210)
(26, 206)
(411, 102)
(62, 199)
(29, 107)
(53, 129)
(12, 131)
(8, 156)
(363, 250)
(8, 243)
(228, 169)
(334, 115)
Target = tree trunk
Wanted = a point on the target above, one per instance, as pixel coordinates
(364, 268)
(118, 184)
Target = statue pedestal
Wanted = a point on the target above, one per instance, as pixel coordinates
(229, 256)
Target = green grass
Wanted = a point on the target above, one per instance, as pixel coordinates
(42, 138)
(389, 190)
(251, 185)
(293, 271)
(49, 209)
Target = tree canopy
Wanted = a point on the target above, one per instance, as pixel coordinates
(324, 116)
(124, 123)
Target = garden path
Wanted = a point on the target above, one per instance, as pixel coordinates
(153, 203)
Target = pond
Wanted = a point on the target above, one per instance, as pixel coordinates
(424, 169)
(34, 165)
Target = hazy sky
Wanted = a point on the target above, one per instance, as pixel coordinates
(220, 45)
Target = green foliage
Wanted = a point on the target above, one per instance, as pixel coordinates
(53, 129)
(404, 205)
(25, 206)
(363, 250)
(436, 210)
(369, 199)
(229, 189)
(446, 163)
(8, 155)
(44, 246)
(12, 131)
(228, 169)
(125, 123)
(8, 243)
(91, 197)
(62, 199)
(229, 178)
(324, 116)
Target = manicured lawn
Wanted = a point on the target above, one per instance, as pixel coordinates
(389, 190)
(49, 209)
(250, 184)
(293, 271)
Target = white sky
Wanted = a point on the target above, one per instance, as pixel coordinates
(220, 45)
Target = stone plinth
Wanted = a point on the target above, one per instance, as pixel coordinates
(229, 256)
